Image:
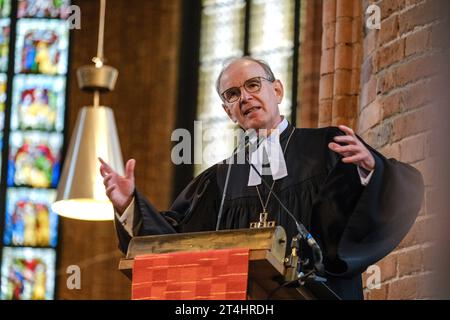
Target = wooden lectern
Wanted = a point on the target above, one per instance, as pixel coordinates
(267, 247)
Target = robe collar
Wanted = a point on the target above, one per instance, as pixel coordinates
(272, 147)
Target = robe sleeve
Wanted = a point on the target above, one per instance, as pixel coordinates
(198, 197)
(356, 226)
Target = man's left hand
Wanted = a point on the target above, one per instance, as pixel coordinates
(354, 151)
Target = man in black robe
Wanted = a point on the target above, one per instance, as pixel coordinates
(357, 204)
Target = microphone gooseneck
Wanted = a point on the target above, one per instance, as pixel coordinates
(225, 187)
(303, 233)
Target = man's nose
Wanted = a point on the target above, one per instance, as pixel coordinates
(245, 95)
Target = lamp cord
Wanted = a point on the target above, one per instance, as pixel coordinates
(98, 60)
(101, 30)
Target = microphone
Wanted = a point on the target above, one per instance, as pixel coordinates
(302, 231)
(247, 143)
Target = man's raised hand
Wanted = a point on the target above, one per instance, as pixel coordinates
(119, 189)
(354, 151)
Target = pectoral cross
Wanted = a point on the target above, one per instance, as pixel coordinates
(262, 223)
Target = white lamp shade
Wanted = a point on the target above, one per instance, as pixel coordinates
(81, 193)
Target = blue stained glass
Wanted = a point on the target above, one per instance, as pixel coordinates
(43, 9)
(28, 274)
(36, 109)
(41, 46)
(5, 8)
(2, 100)
(38, 103)
(34, 159)
(29, 220)
(4, 44)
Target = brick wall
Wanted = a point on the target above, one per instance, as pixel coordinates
(398, 101)
(340, 62)
(387, 85)
(309, 61)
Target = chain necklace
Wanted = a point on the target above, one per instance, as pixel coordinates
(264, 214)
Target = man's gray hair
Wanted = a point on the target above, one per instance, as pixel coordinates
(262, 63)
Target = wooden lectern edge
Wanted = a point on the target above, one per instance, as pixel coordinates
(126, 265)
(266, 247)
(254, 255)
(273, 238)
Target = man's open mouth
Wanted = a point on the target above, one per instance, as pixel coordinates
(251, 110)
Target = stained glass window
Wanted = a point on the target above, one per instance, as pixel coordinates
(41, 46)
(43, 9)
(38, 103)
(27, 274)
(3, 79)
(222, 37)
(34, 159)
(5, 8)
(29, 220)
(35, 135)
(270, 36)
(5, 27)
(272, 39)
(4, 43)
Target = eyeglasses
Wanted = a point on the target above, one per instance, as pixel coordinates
(252, 85)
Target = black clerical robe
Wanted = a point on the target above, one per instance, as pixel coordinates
(354, 225)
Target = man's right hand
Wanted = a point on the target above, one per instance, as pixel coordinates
(119, 189)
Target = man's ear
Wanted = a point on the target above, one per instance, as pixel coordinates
(279, 90)
(227, 110)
